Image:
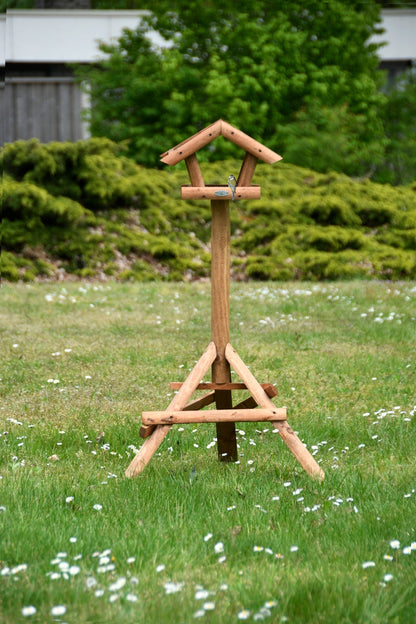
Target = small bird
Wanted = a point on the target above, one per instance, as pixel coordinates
(232, 183)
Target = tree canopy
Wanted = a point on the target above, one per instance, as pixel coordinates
(292, 74)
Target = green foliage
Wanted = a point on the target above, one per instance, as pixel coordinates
(302, 78)
(399, 164)
(294, 76)
(16, 4)
(335, 138)
(8, 267)
(14, 268)
(31, 214)
(326, 210)
(92, 170)
(121, 220)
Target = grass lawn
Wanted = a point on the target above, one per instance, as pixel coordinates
(193, 539)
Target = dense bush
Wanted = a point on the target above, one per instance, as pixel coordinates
(82, 209)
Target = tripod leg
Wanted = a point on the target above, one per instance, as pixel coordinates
(152, 443)
(148, 449)
(287, 434)
(300, 451)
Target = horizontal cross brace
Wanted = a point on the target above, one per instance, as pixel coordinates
(168, 417)
(209, 385)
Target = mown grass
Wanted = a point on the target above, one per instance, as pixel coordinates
(79, 364)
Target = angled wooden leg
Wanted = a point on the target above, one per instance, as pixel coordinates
(148, 449)
(301, 453)
(288, 436)
(180, 400)
(255, 389)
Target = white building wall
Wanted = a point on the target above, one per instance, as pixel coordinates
(400, 35)
(2, 39)
(53, 36)
(59, 36)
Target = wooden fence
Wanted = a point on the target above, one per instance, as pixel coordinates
(48, 108)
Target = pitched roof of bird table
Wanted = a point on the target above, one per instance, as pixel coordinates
(186, 150)
(219, 128)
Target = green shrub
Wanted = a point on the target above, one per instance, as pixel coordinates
(89, 172)
(15, 267)
(349, 264)
(328, 210)
(395, 264)
(8, 268)
(29, 211)
(260, 268)
(331, 238)
(374, 214)
(82, 208)
(400, 239)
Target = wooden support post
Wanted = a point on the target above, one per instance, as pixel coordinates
(247, 170)
(194, 170)
(220, 322)
(200, 403)
(257, 392)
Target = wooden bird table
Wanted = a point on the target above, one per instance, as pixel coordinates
(220, 356)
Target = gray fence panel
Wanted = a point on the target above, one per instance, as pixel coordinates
(48, 109)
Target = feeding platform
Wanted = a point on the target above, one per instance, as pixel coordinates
(220, 356)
